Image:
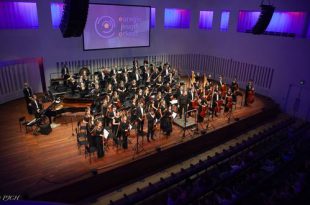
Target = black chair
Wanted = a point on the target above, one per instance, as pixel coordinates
(90, 151)
(23, 123)
(81, 139)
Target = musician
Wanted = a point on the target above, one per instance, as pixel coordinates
(125, 131)
(83, 89)
(72, 83)
(143, 68)
(146, 95)
(200, 106)
(65, 74)
(140, 117)
(220, 81)
(134, 87)
(249, 93)
(140, 95)
(113, 71)
(192, 78)
(215, 101)
(114, 80)
(125, 78)
(155, 73)
(151, 120)
(103, 77)
(157, 99)
(95, 92)
(166, 122)
(121, 90)
(183, 103)
(228, 100)
(147, 78)
(169, 78)
(28, 96)
(88, 117)
(145, 61)
(36, 106)
(135, 63)
(165, 71)
(115, 128)
(159, 84)
(136, 76)
(169, 95)
(234, 85)
(110, 115)
(104, 111)
(109, 89)
(96, 138)
(115, 100)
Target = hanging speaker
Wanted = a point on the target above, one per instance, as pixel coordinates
(74, 18)
(264, 19)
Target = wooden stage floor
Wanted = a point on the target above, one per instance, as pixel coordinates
(32, 165)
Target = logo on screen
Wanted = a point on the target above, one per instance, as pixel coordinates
(105, 26)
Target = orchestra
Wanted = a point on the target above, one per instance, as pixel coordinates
(128, 98)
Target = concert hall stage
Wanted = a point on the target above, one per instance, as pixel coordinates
(50, 167)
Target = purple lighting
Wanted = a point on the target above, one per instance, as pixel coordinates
(56, 11)
(246, 20)
(224, 21)
(308, 33)
(205, 19)
(18, 15)
(177, 18)
(281, 22)
(153, 17)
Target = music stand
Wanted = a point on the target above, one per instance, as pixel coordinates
(138, 147)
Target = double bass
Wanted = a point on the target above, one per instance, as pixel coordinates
(250, 93)
(250, 98)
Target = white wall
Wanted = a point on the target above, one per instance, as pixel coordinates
(288, 56)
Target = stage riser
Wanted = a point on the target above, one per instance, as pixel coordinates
(135, 170)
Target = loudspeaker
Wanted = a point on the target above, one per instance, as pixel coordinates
(264, 19)
(45, 129)
(74, 18)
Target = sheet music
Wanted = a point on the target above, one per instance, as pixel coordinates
(105, 133)
(174, 114)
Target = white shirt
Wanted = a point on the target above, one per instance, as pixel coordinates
(141, 110)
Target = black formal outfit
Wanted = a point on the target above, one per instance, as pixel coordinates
(151, 119)
(140, 119)
(124, 129)
(216, 98)
(65, 74)
(27, 95)
(167, 122)
(98, 141)
(115, 130)
(36, 108)
(183, 102)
